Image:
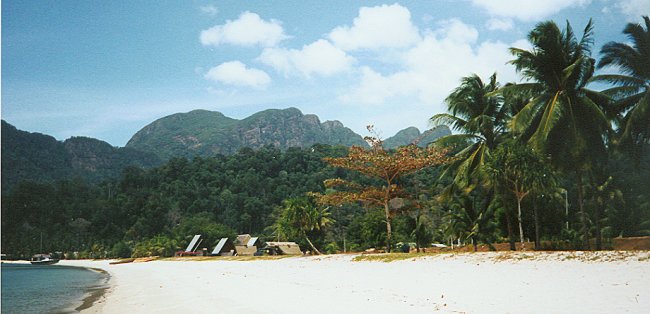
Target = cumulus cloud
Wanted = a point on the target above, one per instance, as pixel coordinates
(248, 30)
(386, 26)
(319, 58)
(238, 74)
(433, 67)
(210, 10)
(527, 10)
(496, 24)
(634, 8)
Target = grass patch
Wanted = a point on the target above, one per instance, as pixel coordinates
(391, 257)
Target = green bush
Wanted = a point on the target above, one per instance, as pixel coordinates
(121, 250)
(205, 225)
(157, 246)
(332, 248)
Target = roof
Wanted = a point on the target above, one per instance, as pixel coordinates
(242, 239)
(221, 246)
(287, 248)
(193, 244)
(252, 241)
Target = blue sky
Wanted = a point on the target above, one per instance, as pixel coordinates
(105, 69)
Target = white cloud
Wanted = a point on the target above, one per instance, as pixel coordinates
(237, 74)
(320, 58)
(433, 67)
(496, 24)
(210, 10)
(457, 31)
(248, 30)
(634, 8)
(386, 26)
(527, 10)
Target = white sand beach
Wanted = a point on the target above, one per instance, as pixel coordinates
(565, 282)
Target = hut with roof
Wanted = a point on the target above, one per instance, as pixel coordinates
(284, 248)
(245, 245)
(225, 247)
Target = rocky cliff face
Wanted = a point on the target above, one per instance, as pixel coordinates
(205, 133)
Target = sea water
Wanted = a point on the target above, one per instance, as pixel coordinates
(30, 288)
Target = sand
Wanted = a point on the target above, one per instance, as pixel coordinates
(600, 282)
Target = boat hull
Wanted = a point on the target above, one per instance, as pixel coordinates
(45, 262)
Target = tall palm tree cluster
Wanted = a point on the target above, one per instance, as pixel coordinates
(551, 141)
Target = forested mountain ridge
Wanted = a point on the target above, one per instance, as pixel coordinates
(41, 158)
(206, 133)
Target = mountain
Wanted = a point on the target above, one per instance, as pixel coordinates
(412, 135)
(41, 158)
(206, 133)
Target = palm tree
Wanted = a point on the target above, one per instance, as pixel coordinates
(299, 217)
(632, 87)
(477, 113)
(480, 115)
(562, 118)
(467, 217)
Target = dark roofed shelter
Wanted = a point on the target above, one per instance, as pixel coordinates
(191, 248)
(225, 247)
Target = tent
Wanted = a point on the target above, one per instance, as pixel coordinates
(225, 247)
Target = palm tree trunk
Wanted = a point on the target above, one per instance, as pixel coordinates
(511, 235)
(521, 229)
(583, 217)
(538, 243)
(312, 245)
(599, 236)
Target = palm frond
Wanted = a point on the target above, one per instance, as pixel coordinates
(457, 140)
(552, 114)
(637, 127)
(455, 122)
(619, 79)
(523, 118)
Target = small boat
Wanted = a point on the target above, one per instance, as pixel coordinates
(43, 259)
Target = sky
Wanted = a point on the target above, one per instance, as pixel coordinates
(105, 69)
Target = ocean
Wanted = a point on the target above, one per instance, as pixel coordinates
(29, 288)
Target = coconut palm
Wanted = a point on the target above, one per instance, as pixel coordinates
(562, 118)
(467, 217)
(632, 86)
(479, 117)
(299, 217)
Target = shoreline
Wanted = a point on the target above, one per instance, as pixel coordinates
(94, 294)
(578, 281)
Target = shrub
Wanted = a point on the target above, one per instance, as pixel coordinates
(121, 250)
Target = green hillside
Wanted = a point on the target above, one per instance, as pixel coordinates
(37, 157)
(207, 133)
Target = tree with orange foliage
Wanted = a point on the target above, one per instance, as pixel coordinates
(387, 167)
